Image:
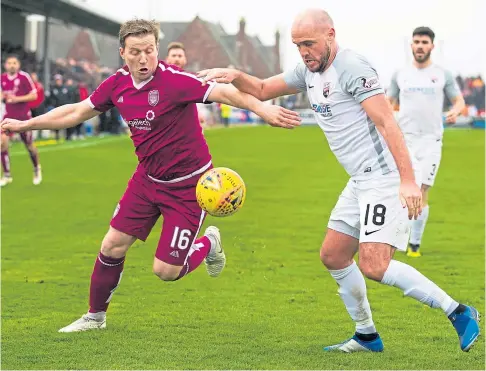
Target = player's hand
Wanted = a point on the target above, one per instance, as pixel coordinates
(14, 126)
(411, 197)
(451, 116)
(221, 75)
(11, 99)
(281, 117)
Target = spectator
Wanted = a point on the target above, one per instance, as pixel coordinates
(225, 114)
(58, 95)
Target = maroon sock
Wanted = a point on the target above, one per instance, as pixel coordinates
(5, 163)
(106, 276)
(198, 252)
(34, 158)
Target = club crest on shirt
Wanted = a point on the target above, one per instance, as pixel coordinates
(153, 97)
(325, 91)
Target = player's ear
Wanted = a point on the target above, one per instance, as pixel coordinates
(122, 52)
(331, 34)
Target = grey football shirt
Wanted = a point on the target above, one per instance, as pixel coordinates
(335, 96)
(420, 93)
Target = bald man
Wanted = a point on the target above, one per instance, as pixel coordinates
(370, 216)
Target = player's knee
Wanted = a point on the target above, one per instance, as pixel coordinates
(4, 142)
(373, 269)
(166, 272)
(331, 260)
(116, 244)
(374, 259)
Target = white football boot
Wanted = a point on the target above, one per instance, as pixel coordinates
(37, 176)
(5, 180)
(216, 260)
(87, 322)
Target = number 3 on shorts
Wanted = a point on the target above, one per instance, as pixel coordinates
(181, 240)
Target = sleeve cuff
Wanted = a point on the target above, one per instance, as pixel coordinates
(211, 86)
(90, 102)
(360, 98)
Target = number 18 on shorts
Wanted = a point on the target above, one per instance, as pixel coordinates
(371, 211)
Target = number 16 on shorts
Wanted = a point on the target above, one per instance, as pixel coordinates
(181, 239)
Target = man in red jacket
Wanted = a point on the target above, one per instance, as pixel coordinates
(36, 106)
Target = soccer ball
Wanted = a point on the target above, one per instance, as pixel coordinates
(220, 192)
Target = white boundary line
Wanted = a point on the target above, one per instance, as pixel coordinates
(95, 142)
(74, 145)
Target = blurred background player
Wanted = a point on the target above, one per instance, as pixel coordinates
(176, 55)
(419, 91)
(157, 102)
(18, 90)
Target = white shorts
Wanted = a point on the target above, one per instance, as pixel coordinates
(371, 211)
(426, 153)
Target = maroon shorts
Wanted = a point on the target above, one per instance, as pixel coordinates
(146, 199)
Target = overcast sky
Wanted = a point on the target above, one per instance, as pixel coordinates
(381, 30)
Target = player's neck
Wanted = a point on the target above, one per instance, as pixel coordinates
(425, 64)
(11, 75)
(334, 49)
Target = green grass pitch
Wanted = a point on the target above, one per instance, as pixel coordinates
(274, 306)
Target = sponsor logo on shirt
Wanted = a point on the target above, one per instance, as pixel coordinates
(420, 89)
(142, 124)
(323, 109)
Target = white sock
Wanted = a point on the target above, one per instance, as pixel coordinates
(416, 285)
(352, 289)
(418, 226)
(98, 316)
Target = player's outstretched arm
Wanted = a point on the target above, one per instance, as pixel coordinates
(62, 117)
(273, 115)
(270, 88)
(379, 111)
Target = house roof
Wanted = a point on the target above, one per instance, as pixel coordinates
(170, 31)
(227, 42)
(266, 53)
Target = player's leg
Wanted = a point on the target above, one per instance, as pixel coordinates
(6, 176)
(337, 253)
(28, 139)
(418, 225)
(430, 157)
(384, 228)
(376, 263)
(134, 218)
(179, 251)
